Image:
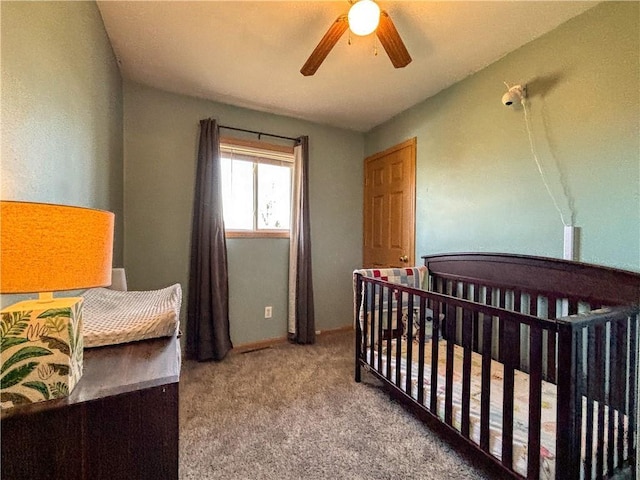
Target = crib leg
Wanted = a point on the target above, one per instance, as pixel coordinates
(358, 371)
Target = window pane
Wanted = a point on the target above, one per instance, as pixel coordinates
(274, 197)
(237, 194)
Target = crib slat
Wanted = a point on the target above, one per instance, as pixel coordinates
(567, 444)
(380, 331)
(502, 301)
(434, 357)
(579, 391)
(551, 342)
(600, 379)
(533, 311)
(621, 338)
(511, 337)
(390, 293)
(517, 307)
(488, 296)
(365, 316)
(372, 322)
(591, 352)
(633, 345)
(611, 400)
(488, 299)
(573, 306)
(467, 336)
(421, 340)
(463, 288)
(365, 313)
(533, 305)
(399, 340)
(476, 320)
(517, 300)
(485, 400)
(409, 356)
(448, 397)
(535, 401)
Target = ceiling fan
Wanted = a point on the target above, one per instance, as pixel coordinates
(363, 18)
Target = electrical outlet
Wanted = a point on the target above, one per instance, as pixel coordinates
(268, 311)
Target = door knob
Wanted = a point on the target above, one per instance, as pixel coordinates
(404, 258)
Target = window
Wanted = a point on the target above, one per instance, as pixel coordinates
(256, 188)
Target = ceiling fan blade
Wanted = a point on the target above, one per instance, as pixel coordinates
(391, 41)
(324, 47)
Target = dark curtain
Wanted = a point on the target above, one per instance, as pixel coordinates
(305, 329)
(208, 308)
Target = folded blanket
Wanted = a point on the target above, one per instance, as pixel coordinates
(111, 316)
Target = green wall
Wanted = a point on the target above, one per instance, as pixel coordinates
(61, 104)
(66, 130)
(160, 149)
(478, 186)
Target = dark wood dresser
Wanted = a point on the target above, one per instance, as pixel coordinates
(120, 421)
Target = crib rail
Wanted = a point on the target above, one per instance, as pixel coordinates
(595, 284)
(483, 326)
(597, 394)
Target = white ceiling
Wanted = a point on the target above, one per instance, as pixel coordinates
(249, 53)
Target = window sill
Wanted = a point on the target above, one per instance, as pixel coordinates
(257, 234)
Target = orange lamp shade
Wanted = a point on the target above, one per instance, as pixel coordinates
(47, 248)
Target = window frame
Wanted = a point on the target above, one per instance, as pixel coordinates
(252, 148)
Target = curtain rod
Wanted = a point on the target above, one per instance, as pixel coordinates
(258, 133)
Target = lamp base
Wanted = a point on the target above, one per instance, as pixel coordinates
(41, 350)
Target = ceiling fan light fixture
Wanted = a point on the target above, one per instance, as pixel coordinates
(379, 22)
(364, 16)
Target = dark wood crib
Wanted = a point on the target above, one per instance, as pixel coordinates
(532, 361)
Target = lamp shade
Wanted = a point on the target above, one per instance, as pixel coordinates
(47, 248)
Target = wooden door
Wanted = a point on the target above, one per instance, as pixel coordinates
(389, 207)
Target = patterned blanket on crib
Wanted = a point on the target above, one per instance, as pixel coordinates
(414, 277)
(409, 277)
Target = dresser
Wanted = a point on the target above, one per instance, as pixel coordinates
(120, 421)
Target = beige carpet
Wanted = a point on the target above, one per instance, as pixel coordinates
(295, 412)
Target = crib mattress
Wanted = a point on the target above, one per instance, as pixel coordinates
(112, 317)
(521, 406)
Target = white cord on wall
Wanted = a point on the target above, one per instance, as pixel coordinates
(540, 169)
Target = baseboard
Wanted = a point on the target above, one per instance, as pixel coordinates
(260, 345)
(346, 328)
(271, 342)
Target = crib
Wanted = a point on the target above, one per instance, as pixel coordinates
(531, 361)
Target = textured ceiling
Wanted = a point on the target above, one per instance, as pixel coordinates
(249, 54)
